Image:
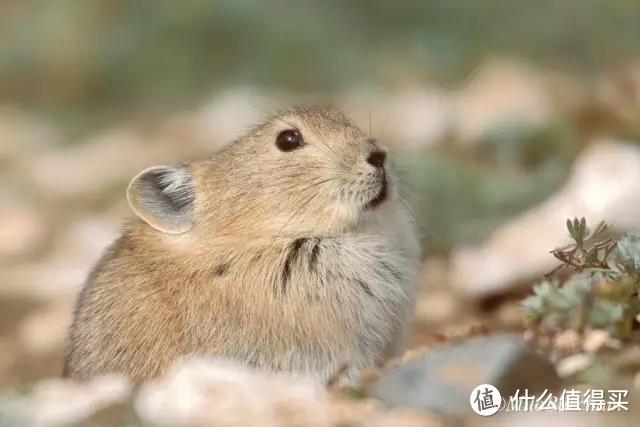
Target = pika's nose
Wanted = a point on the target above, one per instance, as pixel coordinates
(376, 158)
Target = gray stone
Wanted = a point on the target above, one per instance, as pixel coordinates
(442, 380)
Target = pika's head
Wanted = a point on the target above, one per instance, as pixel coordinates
(307, 171)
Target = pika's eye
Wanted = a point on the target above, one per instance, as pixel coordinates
(289, 140)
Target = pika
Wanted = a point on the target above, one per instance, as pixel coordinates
(287, 250)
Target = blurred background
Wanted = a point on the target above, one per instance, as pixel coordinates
(504, 118)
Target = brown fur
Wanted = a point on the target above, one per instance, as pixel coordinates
(267, 274)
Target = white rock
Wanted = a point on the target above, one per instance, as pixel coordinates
(94, 165)
(603, 186)
(219, 393)
(567, 340)
(371, 413)
(597, 339)
(43, 280)
(436, 307)
(88, 237)
(62, 273)
(22, 230)
(46, 329)
(58, 402)
(414, 117)
(573, 364)
(500, 93)
(551, 419)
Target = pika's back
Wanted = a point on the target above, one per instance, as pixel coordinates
(286, 250)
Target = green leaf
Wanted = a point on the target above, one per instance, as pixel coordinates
(570, 228)
(603, 315)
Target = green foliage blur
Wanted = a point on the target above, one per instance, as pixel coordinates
(75, 56)
(461, 196)
(86, 64)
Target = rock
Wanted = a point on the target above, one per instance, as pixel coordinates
(573, 364)
(59, 402)
(201, 392)
(96, 165)
(45, 330)
(510, 315)
(435, 307)
(550, 419)
(436, 303)
(500, 93)
(22, 231)
(52, 277)
(603, 186)
(463, 329)
(443, 379)
(597, 339)
(567, 340)
(61, 273)
(414, 117)
(210, 392)
(370, 413)
(88, 237)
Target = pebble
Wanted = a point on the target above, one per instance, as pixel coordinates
(442, 380)
(58, 402)
(573, 364)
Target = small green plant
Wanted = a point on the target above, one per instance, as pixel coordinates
(602, 291)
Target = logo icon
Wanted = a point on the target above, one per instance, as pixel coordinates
(485, 400)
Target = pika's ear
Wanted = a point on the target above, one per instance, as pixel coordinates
(164, 198)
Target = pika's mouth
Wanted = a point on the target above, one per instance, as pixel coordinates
(381, 196)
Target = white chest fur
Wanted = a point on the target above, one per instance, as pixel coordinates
(322, 304)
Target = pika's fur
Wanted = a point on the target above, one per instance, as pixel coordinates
(287, 250)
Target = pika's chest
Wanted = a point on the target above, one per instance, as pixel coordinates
(312, 304)
(340, 284)
(356, 269)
